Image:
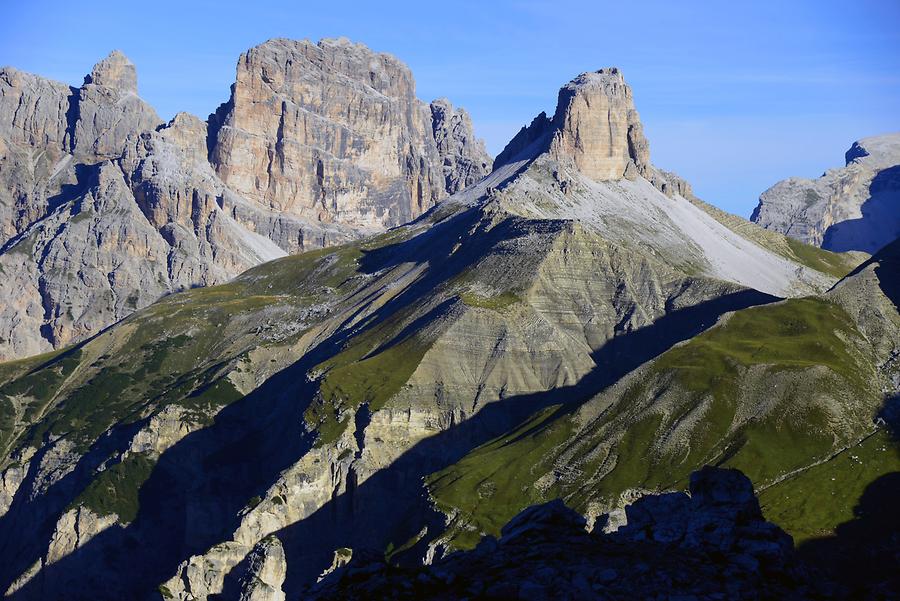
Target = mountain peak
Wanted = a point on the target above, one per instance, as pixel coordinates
(595, 126)
(114, 71)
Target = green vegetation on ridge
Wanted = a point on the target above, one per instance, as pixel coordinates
(699, 403)
(116, 489)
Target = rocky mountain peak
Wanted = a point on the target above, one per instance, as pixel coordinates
(853, 207)
(340, 136)
(114, 71)
(595, 125)
(883, 150)
(464, 158)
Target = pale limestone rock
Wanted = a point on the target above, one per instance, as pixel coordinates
(855, 207)
(357, 152)
(598, 127)
(34, 163)
(361, 153)
(266, 572)
(91, 262)
(10, 480)
(114, 71)
(595, 126)
(73, 530)
(33, 109)
(108, 109)
(463, 157)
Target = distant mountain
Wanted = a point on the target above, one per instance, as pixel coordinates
(104, 208)
(855, 207)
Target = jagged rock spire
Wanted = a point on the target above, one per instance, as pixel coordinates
(114, 71)
(595, 125)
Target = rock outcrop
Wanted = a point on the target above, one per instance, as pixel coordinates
(597, 130)
(463, 157)
(108, 109)
(362, 152)
(539, 335)
(855, 207)
(319, 144)
(595, 126)
(710, 544)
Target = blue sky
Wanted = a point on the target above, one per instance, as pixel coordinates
(733, 95)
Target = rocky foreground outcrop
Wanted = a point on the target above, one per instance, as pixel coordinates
(855, 207)
(710, 544)
(104, 208)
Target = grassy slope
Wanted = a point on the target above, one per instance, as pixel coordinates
(812, 503)
(709, 373)
(177, 351)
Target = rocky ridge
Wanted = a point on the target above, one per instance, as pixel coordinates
(855, 207)
(339, 148)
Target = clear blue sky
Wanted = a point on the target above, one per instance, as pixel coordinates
(733, 95)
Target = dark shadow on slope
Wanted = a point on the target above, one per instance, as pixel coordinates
(880, 221)
(192, 500)
(888, 271)
(392, 506)
(238, 429)
(197, 490)
(864, 553)
(199, 486)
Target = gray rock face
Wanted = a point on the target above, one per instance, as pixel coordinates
(108, 109)
(597, 129)
(361, 153)
(114, 71)
(266, 572)
(319, 145)
(855, 207)
(721, 514)
(464, 159)
(595, 126)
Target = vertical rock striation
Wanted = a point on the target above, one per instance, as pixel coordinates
(597, 126)
(597, 130)
(463, 157)
(318, 145)
(333, 132)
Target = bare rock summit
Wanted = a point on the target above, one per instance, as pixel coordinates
(333, 132)
(855, 207)
(320, 144)
(114, 71)
(596, 128)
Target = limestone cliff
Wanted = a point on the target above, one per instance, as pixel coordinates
(333, 132)
(463, 157)
(595, 125)
(90, 174)
(855, 207)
